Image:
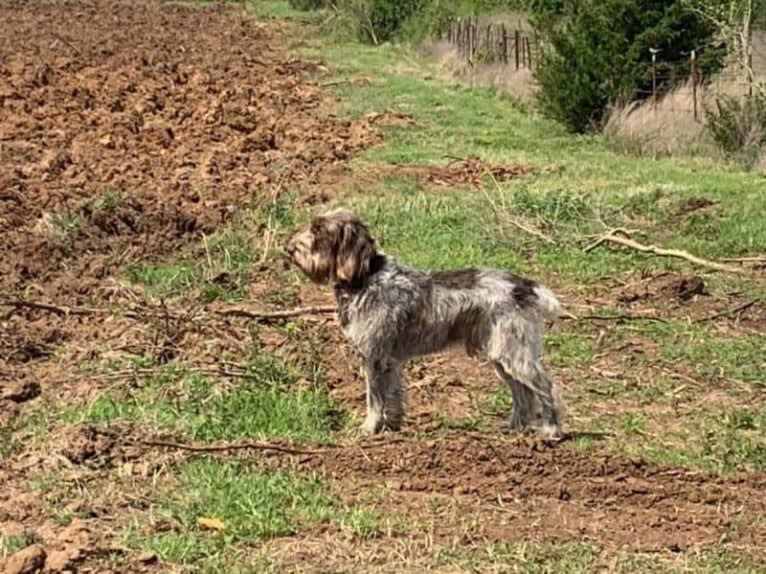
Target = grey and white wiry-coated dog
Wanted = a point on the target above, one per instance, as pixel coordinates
(391, 313)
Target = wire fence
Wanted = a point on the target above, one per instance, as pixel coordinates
(497, 43)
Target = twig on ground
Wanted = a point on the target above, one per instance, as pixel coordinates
(164, 313)
(726, 312)
(261, 445)
(353, 81)
(266, 315)
(503, 216)
(621, 237)
(621, 317)
(233, 446)
(756, 260)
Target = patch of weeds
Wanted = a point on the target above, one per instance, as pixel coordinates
(443, 231)
(108, 201)
(165, 280)
(263, 403)
(219, 269)
(633, 423)
(568, 349)
(251, 505)
(361, 524)
(527, 558)
(468, 423)
(711, 356)
(12, 543)
(714, 561)
(554, 206)
(731, 441)
(29, 428)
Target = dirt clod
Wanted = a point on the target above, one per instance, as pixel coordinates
(26, 561)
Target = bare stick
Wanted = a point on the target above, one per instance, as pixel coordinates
(734, 310)
(266, 315)
(233, 446)
(58, 310)
(139, 313)
(617, 236)
(622, 317)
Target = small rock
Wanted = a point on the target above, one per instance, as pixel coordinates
(27, 561)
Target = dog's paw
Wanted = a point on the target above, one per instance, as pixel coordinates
(551, 433)
(372, 425)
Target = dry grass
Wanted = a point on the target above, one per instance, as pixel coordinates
(665, 127)
(669, 125)
(518, 83)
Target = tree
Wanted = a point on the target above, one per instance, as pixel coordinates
(601, 52)
(733, 22)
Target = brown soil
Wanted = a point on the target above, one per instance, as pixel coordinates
(122, 142)
(556, 493)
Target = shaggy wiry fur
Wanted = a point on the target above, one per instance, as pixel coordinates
(391, 313)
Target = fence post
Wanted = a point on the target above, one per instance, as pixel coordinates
(504, 40)
(489, 41)
(694, 81)
(654, 78)
(517, 41)
(527, 52)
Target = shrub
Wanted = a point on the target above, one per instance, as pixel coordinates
(379, 21)
(600, 53)
(738, 125)
(308, 4)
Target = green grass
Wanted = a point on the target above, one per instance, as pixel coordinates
(249, 505)
(521, 557)
(531, 558)
(12, 543)
(264, 403)
(252, 506)
(583, 178)
(219, 268)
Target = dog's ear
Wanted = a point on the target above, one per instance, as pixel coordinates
(355, 251)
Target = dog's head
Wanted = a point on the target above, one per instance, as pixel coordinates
(336, 248)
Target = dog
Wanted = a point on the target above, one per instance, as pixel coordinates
(391, 313)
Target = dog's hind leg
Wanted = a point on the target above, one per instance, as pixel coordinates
(385, 396)
(516, 346)
(524, 401)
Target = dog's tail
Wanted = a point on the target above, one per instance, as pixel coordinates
(547, 303)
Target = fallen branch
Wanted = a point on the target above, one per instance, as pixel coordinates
(266, 315)
(620, 237)
(352, 81)
(139, 313)
(261, 445)
(726, 312)
(503, 216)
(233, 446)
(58, 310)
(621, 317)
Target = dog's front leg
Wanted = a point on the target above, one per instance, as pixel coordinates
(385, 395)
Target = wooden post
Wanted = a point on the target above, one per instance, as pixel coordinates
(694, 81)
(517, 41)
(528, 52)
(654, 80)
(504, 48)
(489, 42)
